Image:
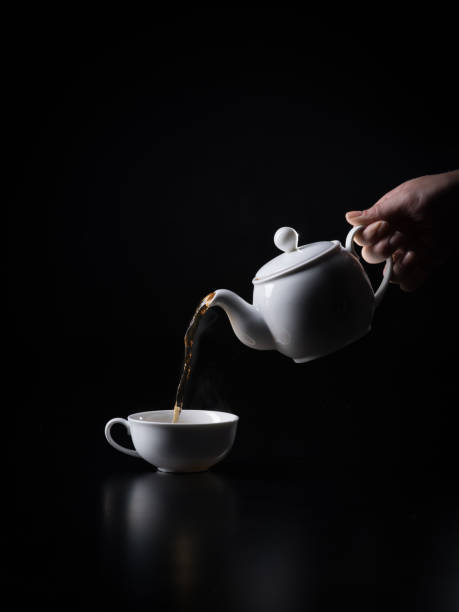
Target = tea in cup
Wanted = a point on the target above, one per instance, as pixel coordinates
(200, 439)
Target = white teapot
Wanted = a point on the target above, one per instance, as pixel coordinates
(307, 302)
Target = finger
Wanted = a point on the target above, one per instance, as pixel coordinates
(353, 216)
(386, 208)
(386, 247)
(362, 217)
(359, 217)
(372, 254)
(366, 217)
(405, 264)
(372, 233)
(396, 258)
(410, 271)
(397, 241)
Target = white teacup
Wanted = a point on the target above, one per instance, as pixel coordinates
(199, 440)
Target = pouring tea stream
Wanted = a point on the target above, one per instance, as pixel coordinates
(308, 301)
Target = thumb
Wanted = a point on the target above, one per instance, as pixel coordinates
(364, 217)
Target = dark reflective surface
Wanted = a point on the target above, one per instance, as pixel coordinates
(173, 535)
(150, 163)
(253, 537)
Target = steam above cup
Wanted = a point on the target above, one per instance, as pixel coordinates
(198, 441)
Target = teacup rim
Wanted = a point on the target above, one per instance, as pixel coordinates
(134, 418)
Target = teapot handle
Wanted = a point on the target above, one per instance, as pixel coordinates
(349, 246)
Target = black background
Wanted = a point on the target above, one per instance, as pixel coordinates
(150, 161)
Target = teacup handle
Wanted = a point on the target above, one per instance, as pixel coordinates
(349, 246)
(111, 441)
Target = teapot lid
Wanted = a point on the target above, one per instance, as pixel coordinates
(293, 257)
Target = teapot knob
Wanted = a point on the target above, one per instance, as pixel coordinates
(286, 239)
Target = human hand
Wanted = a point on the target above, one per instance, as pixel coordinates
(414, 224)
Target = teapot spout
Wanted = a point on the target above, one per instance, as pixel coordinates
(246, 321)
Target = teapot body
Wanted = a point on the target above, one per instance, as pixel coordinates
(317, 309)
(309, 301)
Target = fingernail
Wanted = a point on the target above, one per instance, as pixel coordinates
(408, 258)
(373, 232)
(353, 214)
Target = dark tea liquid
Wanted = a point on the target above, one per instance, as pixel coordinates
(189, 337)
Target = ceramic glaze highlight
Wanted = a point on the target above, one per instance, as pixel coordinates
(308, 302)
